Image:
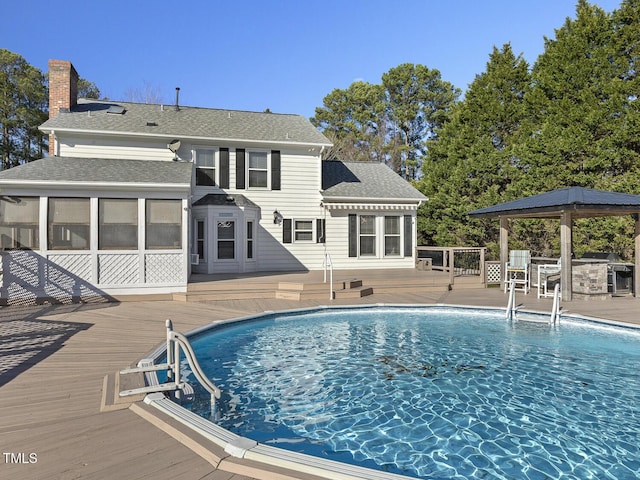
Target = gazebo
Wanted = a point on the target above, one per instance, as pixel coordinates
(566, 204)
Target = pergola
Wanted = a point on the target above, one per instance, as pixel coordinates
(566, 204)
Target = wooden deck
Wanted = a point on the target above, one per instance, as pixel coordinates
(53, 361)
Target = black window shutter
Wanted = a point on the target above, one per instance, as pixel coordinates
(224, 168)
(286, 230)
(408, 236)
(353, 235)
(275, 169)
(320, 230)
(240, 168)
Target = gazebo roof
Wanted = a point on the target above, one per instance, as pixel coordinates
(583, 202)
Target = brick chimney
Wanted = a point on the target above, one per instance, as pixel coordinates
(63, 91)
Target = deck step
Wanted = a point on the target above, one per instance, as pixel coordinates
(230, 294)
(113, 384)
(316, 291)
(356, 292)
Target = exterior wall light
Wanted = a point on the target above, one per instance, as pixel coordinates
(277, 217)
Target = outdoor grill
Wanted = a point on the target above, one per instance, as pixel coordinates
(619, 273)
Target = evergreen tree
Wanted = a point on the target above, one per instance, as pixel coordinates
(418, 103)
(354, 120)
(387, 122)
(23, 107)
(471, 163)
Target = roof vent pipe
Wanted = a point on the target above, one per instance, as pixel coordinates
(177, 97)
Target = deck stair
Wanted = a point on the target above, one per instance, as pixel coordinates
(226, 290)
(310, 285)
(318, 290)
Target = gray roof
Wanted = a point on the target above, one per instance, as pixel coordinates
(225, 199)
(187, 122)
(99, 170)
(588, 201)
(365, 180)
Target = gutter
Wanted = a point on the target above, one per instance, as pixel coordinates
(55, 185)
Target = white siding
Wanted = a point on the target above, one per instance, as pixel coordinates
(338, 241)
(299, 198)
(86, 147)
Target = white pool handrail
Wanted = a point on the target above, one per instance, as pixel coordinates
(328, 264)
(511, 308)
(555, 309)
(175, 342)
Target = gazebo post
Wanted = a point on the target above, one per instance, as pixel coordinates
(566, 226)
(636, 259)
(504, 247)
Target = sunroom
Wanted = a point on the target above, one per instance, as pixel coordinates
(73, 229)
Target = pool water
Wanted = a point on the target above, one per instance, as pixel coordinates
(434, 393)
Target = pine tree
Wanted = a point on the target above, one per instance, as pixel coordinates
(471, 163)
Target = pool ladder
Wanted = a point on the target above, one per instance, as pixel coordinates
(175, 342)
(555, 309)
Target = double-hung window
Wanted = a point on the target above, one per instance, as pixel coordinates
(258, 169)
(303, 230)
(392, 236)
(205, 166)
(19, 222)
(367, 235)
(226, 239)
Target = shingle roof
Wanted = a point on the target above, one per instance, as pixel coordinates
(551, 203)
(365, 180)
(224, 199)
(187, 122)
(100, 170)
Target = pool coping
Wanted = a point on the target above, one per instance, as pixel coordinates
(248, 449)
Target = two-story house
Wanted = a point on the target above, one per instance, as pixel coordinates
(134, 198)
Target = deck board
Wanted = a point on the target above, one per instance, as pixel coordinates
(50, 403)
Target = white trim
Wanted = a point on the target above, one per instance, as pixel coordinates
(185, 137)
(62, 185)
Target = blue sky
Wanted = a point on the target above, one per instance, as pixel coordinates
(285, 55)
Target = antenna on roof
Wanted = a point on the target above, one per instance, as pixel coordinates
(177, 97)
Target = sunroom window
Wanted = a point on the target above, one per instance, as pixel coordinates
(117, 223)
(69, 224)
(163, 224)
(19, 222)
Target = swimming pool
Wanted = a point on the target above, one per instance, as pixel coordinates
(432, 392)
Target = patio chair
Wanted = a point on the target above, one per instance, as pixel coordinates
(518, 270)
(546, 272)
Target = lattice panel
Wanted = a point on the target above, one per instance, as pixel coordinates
(494, 275)
(163, 268)
(118, 269)
(21, 277)
(68, 276)
(69, 265)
